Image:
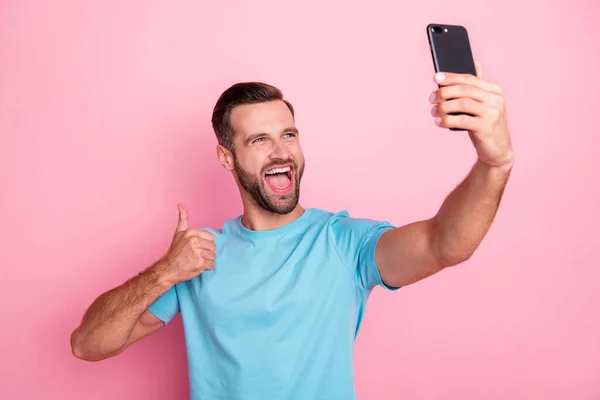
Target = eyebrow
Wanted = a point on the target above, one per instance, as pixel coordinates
(259, 134)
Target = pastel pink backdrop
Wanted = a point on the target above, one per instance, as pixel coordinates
(105, 126)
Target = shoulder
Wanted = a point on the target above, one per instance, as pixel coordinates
(220, 231)
(355, 238)
(343, 220)
(342, 223)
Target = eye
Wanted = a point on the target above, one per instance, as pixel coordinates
(258, 140)
(289, 135)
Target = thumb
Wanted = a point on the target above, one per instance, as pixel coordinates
(182, 224)
(478, 70)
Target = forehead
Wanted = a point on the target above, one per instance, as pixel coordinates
(269, 117)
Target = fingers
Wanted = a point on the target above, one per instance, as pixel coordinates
(208, 265)
(460, 105)
(198, 243)
(182, 224)
(464, 98)
(449, 78)
(461, 121)
(457, 91)
(200, 234)
(203, 242)
(208, 255)
(446, 117)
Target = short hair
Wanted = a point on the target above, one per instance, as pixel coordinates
(237, 95)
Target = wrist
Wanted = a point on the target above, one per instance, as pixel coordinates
(500, 171)
(161, 273)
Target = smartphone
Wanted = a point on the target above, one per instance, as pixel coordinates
(451, 50)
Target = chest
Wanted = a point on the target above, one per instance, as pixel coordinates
(275, 287)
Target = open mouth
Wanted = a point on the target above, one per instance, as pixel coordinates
(280, 179)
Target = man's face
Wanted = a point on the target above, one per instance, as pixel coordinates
(268, 158)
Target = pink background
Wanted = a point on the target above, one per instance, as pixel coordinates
(105, 126)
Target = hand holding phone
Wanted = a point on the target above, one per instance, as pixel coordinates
(451, 51)
(466, 102)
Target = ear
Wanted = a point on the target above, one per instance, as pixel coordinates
(225, 158)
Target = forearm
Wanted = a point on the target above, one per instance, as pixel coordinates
(467, 213)
(109, 321)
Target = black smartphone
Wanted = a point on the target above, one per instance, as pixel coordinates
(451, 50)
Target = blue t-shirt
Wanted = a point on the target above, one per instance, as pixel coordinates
(278, 315)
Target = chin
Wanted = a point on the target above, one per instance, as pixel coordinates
(284, 210)
(278, 191)
(282, 206)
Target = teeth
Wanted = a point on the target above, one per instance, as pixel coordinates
(278, 170)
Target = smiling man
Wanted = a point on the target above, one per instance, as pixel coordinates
(272, 301)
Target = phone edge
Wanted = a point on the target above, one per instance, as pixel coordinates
(432, 47)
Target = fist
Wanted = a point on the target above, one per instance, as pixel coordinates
(191, 252)
(482, 112)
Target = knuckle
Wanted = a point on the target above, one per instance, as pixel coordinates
(443, 93)
(205, 264)
(442, 108)
(447, 106)
(208, 235)
(206, 244)
(188, 233)
(197, 252)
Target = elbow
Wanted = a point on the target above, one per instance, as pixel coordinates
(78, 348)
(451, 260)
(449, 254)
(81, 350)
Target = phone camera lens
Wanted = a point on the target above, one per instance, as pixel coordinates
(436, 29)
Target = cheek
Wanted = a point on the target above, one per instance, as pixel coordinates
(298, 155)
(254, 163)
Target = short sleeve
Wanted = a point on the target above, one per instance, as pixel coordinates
(166, 307)
(356, 241)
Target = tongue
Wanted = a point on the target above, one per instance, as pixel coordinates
(278, 181)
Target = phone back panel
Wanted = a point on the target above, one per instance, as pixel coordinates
(450, 49)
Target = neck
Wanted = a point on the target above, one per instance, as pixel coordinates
(258, 219)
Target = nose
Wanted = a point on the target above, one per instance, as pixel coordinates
(280, 151)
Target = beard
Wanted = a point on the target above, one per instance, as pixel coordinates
(255, 185)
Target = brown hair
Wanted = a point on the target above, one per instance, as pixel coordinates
(239, 94)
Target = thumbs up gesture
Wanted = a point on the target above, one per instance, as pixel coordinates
(191, 252)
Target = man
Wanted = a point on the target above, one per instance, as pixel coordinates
(271, 303)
